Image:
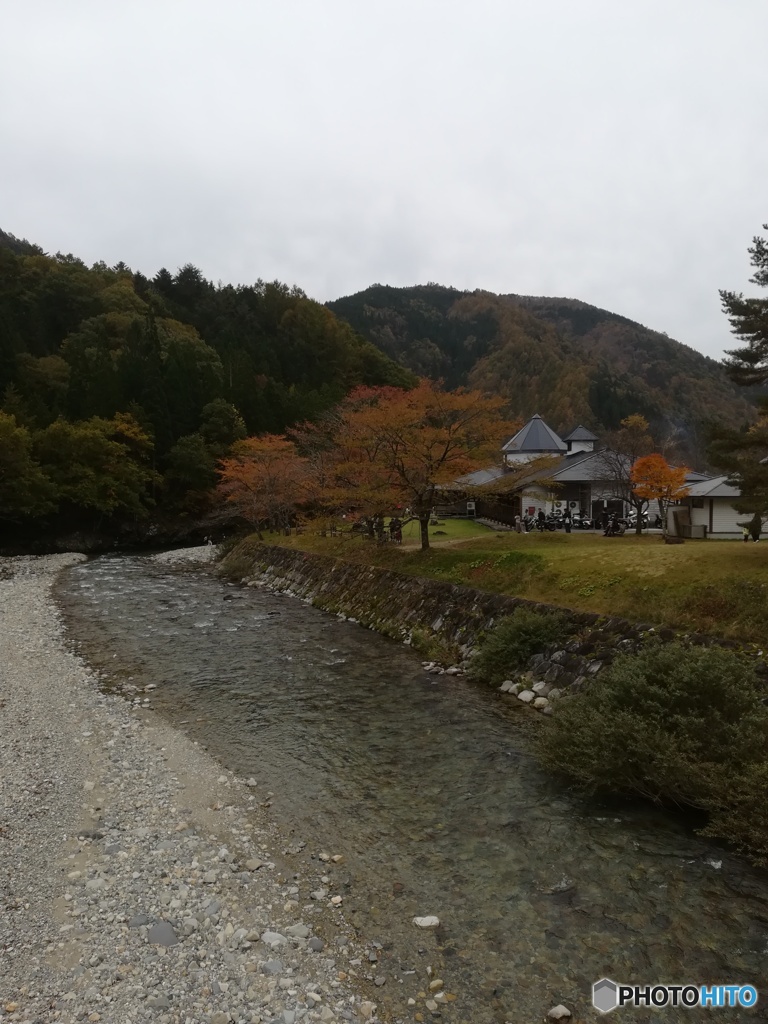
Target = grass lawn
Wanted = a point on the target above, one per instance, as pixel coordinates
(448, 530)
(709, 586)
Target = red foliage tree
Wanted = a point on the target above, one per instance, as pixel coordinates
(654, 479)
(265, 480)
(394, 447)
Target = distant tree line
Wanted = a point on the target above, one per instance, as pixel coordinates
(119, 394)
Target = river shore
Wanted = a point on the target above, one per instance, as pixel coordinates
(139, 880)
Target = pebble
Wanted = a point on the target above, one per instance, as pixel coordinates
(163, 934)
(157, 919)
(426, 922)
(559, 1012)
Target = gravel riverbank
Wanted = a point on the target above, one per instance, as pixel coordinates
(139, 881)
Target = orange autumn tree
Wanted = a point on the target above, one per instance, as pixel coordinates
(394, 447)
(655, 480)
(264, 480)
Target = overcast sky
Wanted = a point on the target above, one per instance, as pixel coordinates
(609, 151)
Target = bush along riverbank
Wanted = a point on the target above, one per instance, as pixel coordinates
(678, 719)
(675, 724)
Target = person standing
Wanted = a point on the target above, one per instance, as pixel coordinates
(567, 520)
(755, 526)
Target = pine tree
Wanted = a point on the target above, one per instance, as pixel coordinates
(748, 365)
(744, 454)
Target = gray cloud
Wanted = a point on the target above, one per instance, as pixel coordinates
(608, 152)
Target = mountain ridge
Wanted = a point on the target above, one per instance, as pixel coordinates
(564, 358)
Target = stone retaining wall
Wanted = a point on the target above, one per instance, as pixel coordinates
(438, 618)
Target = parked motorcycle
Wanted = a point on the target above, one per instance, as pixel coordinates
(632, 520)
(616, 527)
(542, 525)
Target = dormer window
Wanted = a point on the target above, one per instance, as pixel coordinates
(580, 440)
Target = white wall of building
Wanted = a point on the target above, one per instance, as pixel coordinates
(723, 519)
(520, 458)
(537, 500)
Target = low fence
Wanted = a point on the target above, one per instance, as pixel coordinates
(502, 512)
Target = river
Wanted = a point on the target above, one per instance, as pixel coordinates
(426, 786)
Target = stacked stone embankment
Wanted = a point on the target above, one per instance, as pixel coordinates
(456, 617)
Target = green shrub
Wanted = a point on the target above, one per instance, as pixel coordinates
(432, 647)
(238, 560)
(739, 811)
(673, 724)
(227, 545)
(513, 641)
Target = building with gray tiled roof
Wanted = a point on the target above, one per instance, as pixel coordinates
(710, 502)
(581, 440)
(579, 475)
(533, 441)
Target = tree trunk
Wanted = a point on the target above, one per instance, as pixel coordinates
(424, 525)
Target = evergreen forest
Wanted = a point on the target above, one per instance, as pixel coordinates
(119, 393)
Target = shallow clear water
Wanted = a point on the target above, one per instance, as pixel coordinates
(426, 786)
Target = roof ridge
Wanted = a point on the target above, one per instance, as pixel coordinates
(535, 436)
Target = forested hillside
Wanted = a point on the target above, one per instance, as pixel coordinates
(567, 360)
(118, 394)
